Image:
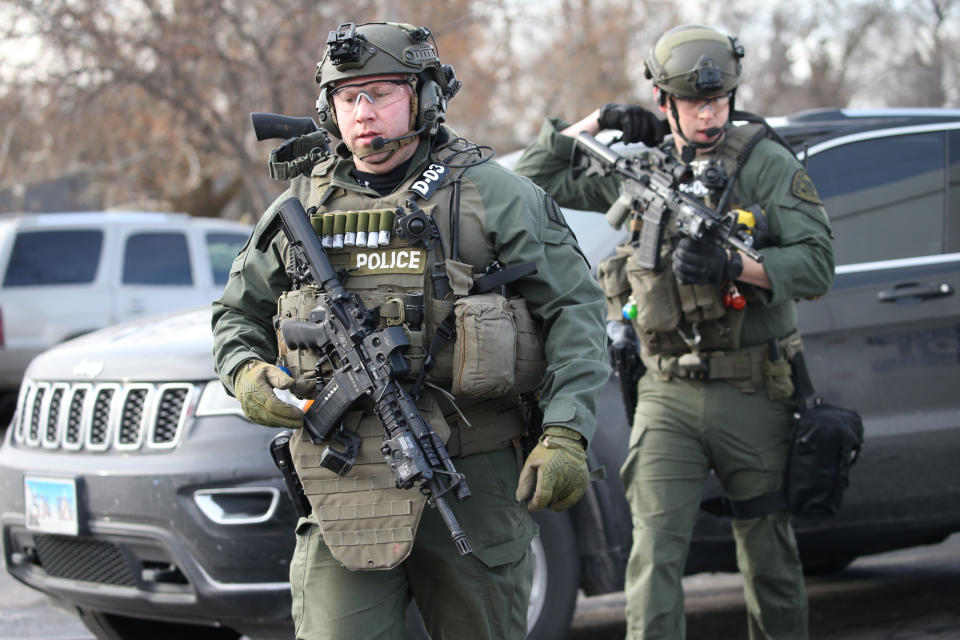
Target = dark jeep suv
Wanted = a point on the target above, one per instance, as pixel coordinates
(133, 492)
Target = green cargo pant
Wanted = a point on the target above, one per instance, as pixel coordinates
(682, 429)
(483, 595)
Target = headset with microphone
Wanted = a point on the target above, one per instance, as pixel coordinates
(380, 142)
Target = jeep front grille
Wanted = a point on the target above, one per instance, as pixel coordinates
(103, 416)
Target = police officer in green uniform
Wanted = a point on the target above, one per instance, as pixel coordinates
(717, 390)
(414, 215)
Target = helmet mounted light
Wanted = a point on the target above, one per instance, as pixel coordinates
(344, 45)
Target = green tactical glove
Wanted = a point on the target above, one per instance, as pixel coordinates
(253, 384)
(555, 474)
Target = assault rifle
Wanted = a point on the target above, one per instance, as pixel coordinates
(363, 362)
(650, 192)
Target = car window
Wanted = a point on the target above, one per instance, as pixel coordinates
(953, 222)
(54, 258)
(158, 258)
(885, 196)
(222, 249)
(596, 237)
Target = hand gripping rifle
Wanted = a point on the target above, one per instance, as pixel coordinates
(650, 193)
(364, 362)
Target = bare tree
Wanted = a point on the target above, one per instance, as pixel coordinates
(925, 72)
(149, 99)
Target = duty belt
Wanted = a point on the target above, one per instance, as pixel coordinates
(743, 366)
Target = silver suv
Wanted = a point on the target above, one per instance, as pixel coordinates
(66, 274)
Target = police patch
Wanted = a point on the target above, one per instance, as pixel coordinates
(804, 188)
(388, 261)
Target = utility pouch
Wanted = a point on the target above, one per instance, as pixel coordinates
(776, 379)
(612, 278)
(485, 351)
(655, 292)
(302, 363)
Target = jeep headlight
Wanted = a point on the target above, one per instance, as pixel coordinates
(214, 401)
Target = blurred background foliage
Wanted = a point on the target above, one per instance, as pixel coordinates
(145, 103)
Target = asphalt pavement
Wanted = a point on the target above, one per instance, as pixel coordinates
(913, 594)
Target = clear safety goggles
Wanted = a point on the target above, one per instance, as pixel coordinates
(379, 93)
(697, 105)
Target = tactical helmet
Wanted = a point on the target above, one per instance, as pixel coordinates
(378, 48)
(693, 61)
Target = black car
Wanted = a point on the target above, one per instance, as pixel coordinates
(133, 492)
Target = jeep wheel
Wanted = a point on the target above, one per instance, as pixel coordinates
(556, 577)
(108, 626)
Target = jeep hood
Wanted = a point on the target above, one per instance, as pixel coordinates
(176, 346)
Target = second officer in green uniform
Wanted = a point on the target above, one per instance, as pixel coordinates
(717, 391)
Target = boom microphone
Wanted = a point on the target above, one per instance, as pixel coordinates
(380, 142)
(712, 132)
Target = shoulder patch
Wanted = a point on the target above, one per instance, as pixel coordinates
(555, 214)
(804, 188)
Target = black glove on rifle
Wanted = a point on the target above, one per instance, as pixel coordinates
(705, 262)
(636, 123)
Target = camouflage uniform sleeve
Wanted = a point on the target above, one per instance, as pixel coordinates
(546, 161)
(242, 318)
(523, 224)
(798, 257)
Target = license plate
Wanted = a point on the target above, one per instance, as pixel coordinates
(51, 504)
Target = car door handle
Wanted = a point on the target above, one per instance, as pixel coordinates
(916, 291)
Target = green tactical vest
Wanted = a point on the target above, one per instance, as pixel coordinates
(366, 522)
(673, 319)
